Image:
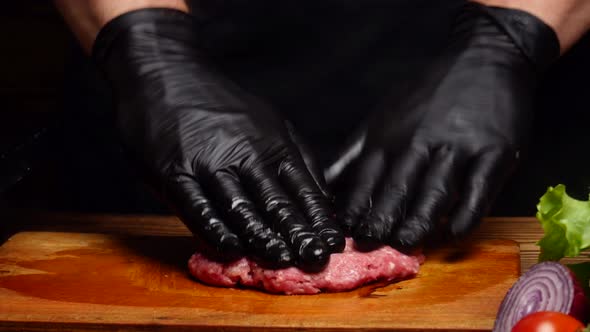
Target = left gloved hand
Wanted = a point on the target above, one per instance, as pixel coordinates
(448, 147)
(222, 158)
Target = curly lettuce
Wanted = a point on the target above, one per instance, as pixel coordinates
(566, 223)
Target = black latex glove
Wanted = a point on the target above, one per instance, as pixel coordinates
(448, 146)
(220, 157)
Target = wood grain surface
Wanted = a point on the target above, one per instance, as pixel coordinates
(87, 281)
(526, 231)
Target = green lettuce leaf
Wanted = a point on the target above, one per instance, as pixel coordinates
(566, 222)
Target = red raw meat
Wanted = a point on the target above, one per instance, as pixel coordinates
(346, 271)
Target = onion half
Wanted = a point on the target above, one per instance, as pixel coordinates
(547, 286)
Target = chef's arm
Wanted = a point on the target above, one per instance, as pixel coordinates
(569, 18)
(85, 18)
(217, 155)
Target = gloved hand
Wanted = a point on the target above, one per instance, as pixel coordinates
(447, 147)
(221, 158)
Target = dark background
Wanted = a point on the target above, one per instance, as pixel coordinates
(32, 57)
(53, 136)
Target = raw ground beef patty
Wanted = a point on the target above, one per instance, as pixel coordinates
(347, 270)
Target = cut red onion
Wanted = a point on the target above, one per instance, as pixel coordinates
(547, 286)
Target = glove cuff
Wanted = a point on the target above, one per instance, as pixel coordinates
(537, 40)
(141, 20)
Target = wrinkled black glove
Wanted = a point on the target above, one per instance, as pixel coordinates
(448, 146)
(219, 156)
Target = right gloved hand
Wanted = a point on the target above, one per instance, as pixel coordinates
(222, 159)
(447, 148)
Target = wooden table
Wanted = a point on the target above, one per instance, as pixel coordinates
(524, 230)
(59, 278)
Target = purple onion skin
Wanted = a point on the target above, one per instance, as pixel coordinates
(580, 309)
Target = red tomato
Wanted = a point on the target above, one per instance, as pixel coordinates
(547, 321)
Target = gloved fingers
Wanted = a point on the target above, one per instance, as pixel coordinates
(310, 161)
(316, 207)
(362, 177)
(242, 216)
(392, 197)
(199, 215)
(484, 181)
(283, 214)
(433, 198)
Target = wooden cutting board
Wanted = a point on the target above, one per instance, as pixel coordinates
(77, 281)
